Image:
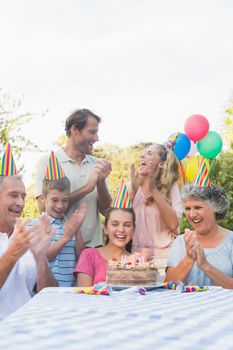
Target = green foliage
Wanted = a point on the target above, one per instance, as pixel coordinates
(12, 119)
(121, 158)
(61, 141)
(184, 224)
(31, 208)
(222, 175)
(227, 124)
(11, 122)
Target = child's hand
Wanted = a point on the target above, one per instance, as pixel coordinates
(73, 224)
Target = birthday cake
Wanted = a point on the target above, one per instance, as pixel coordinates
(128, 273)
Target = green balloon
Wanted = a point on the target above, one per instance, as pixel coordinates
(210, 146)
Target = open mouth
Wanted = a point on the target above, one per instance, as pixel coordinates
(142, 164)
(59, 213)
(197, 221)
(16, 212)
(120, 237)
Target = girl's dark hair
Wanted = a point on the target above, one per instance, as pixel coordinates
(111, 209)
(107, 216)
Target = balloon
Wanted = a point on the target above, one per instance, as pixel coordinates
(193, 150)
(182, 146)
(191, 167)
(210, 146)
(196, 127)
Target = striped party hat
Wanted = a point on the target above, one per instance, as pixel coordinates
(202, 177)
(182, 178)
(8, 167)
(54, 170)
(171, 142)
(122, 199)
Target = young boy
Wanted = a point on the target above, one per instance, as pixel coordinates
(67, 242)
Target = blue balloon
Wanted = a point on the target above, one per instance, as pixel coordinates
(182, 145)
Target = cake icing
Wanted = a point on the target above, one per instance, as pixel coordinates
(131, 273)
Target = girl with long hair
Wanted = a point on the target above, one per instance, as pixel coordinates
(155, 195)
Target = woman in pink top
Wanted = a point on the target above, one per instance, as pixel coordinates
(156, 201)
(119, 226)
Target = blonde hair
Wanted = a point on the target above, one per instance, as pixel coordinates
(169, 173)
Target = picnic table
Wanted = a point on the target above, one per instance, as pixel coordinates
(59, 318)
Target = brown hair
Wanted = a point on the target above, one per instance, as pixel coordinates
(60, 185)
(111, 209)
(79, 119)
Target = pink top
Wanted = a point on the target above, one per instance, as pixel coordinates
(152, 234)
(93, 264)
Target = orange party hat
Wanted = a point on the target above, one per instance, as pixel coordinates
(54, 170)
(202, 177)
(8, 167)
(122, 199)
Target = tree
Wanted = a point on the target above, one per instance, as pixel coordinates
(222, 175)
(227, 125)
(31, 208)
(121, 158)
(12, 119)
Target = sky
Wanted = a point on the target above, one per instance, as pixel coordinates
(144, 66)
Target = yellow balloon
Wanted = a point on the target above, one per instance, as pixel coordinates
(192, 165)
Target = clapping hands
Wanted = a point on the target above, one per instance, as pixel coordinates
(103, 168)
(101, 171)
(73, 224)
(42, 233)
(193, 248)
(36, 237)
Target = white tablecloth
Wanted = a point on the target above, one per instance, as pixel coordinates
(58, 318)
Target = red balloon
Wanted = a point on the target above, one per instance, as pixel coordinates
(196, 127)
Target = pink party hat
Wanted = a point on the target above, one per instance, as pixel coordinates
(54, 170)
(122, 199)
(8, 167)
(202, 177)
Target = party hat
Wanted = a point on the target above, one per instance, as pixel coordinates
(8, 167)
(122, 199)
(171, 142)
(54, 170)
(202, 177)
(182, 178)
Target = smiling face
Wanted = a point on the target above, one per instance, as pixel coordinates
(85, 138)
(119, 228)
(200, 215)
(56, 203)
(12, 197)
(150, 160)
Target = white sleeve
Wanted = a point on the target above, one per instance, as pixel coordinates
(176, 252)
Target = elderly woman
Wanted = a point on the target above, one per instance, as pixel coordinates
(203, 256)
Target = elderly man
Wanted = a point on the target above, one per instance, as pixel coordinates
(86, 173)
(23, 262)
